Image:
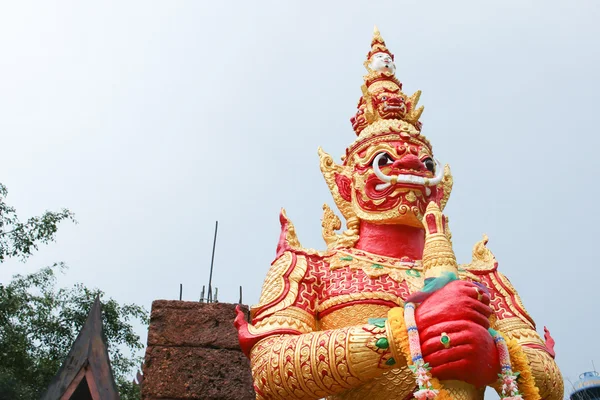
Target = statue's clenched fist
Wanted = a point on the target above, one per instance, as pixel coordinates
(453, 328)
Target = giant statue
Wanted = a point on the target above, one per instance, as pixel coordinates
(386, 312)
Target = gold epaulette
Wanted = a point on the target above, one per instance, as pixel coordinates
(280, 288)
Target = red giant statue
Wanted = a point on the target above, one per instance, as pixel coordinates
(386, 312)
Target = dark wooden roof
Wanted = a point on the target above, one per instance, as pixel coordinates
(86, 372)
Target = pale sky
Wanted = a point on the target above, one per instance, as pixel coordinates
(151, 120)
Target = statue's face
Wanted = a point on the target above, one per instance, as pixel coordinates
(389, 104)
(394, 181)
(382, 62)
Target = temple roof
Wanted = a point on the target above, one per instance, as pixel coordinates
(86, 372)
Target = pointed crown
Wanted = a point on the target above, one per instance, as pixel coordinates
(378, 45)
(383, 108)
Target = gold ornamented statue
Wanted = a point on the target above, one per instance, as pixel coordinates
(386, 312)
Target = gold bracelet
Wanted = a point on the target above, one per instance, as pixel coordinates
(397, 335)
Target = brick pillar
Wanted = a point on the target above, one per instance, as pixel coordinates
(193, 353)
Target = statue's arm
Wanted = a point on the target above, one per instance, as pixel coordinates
(290, 358)
(513, 321)
(316, 364)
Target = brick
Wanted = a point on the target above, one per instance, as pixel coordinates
(184, 323)
(194, 373)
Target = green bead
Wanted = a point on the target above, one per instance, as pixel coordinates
(413, 272)
(445, 339)
(378, 322)
(390, 361)
(377, 266)
(382, 343)
(346, 258)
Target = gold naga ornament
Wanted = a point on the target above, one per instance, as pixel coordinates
(371, 317)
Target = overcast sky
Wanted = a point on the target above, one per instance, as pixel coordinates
(151, 120)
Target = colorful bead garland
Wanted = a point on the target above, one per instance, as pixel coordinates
(510, 390)
(419, 368)
(427, 387)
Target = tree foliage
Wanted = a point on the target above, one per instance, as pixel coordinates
(39, 322)
(21, 239)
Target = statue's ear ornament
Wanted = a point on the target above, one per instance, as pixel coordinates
(446, 186)
(338, 179)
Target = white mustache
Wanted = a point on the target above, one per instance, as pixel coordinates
(406, 178)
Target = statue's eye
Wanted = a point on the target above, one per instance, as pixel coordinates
(385, 160)
(384, 98)
(429, 164)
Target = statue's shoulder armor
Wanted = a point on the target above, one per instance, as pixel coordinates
(280, 288)
(504, 299)
(288, 276)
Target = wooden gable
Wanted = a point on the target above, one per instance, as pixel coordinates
(86, 373)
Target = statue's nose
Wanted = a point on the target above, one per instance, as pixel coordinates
(409, 161)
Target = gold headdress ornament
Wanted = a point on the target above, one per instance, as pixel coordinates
(382, 92)
(385, 114)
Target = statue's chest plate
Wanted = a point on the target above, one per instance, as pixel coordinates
(345, 287)
(352, 275)
(350, 297)
(355, 282)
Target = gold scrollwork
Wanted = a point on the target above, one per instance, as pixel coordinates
(275, 283)
(290, 318)
(330, 224)
(346, 298)
(329, 169)
(447, 183)
(511, 297)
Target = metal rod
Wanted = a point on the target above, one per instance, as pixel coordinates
(212, 261)
(202, 294)
(240, 302)
(216, 295)
(180, 290)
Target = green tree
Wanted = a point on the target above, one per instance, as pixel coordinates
(21, 239)
(39, 322)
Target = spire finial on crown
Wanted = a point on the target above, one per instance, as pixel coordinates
(378, 45)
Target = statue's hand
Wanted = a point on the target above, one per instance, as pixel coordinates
(461, 311)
